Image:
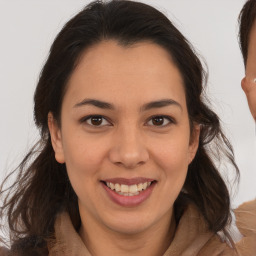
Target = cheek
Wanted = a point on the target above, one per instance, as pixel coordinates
(173, 153)
(83, 155)
(172, 157)
(83, 158)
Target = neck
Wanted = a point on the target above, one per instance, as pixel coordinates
(104, 241)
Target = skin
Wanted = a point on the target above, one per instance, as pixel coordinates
(248, 83)
(127, 144)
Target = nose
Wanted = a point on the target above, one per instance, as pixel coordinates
(128, 149)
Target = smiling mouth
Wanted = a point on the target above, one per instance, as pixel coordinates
(129, 190)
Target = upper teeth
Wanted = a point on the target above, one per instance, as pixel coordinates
(134, 189)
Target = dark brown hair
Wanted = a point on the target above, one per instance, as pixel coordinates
(247, 18)
(42, 188)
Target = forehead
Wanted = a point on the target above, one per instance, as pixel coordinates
(143, 70)
(252, 34)
(251, 58)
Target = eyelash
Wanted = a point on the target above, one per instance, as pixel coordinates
(168, 118)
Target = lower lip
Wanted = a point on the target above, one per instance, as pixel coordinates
(129, 201)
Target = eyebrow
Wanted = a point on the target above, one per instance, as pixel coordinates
(160, 104)
(151, 105)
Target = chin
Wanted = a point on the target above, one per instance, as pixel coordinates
(130, 224)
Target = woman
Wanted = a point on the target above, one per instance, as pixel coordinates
(247, 38)
(125, 165)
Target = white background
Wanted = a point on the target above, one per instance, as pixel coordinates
(28, 27)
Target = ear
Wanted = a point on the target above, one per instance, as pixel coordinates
(244, 85)
(56, 139)
(194, 142)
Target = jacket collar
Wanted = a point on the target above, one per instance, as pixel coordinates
(191, 238)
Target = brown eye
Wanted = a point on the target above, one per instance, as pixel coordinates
(96, 121)
(159, 120)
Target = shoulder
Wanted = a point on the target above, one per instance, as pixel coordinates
(246, 218)
(28, 252)
(246, 223)
(29, 246)
(4, 251)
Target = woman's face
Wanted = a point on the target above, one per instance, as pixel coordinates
(249, 82)
(125, 136)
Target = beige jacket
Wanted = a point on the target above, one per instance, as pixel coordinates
(191, 238)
